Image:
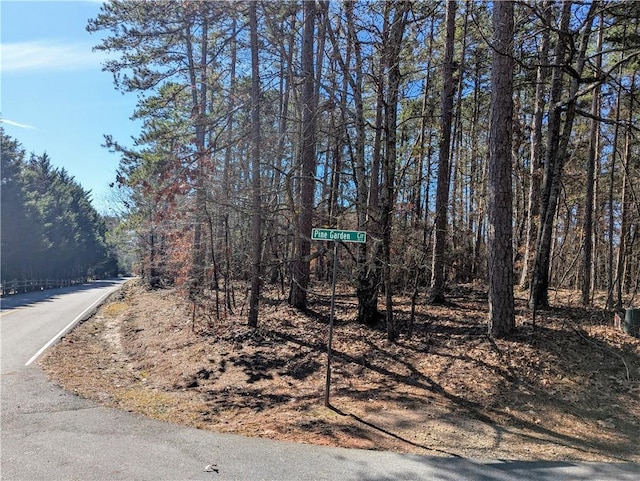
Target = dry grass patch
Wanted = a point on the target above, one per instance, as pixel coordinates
(568, 388)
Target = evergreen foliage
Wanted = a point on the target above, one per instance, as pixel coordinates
(49, 228)
(351, 135)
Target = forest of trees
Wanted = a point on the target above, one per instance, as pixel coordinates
(50, 230)
(489, 142)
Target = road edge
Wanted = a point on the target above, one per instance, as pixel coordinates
(83, 316)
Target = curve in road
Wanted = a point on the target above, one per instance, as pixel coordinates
(50, 434)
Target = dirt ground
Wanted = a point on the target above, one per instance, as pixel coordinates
(567, 388)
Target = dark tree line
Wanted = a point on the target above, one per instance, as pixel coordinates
(49, 228)
(262, 120)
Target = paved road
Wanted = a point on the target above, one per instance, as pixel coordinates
(49, 434)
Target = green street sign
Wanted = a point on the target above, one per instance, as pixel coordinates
(339, 235)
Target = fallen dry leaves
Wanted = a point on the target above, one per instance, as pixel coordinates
(568, 388)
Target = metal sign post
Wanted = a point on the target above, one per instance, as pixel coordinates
(335, 236)
(331, 317)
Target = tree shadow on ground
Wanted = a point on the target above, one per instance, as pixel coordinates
(454, 341)
(560, 346)
(36, 297)
(389, 433)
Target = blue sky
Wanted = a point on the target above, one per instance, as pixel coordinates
(54, 96)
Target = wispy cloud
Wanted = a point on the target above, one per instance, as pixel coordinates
(47, 56)
(16, 124)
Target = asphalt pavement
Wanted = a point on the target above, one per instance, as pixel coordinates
(50, 434)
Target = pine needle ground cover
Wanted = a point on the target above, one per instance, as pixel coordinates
(567, 388)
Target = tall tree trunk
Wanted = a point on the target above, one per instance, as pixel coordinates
(285, 80)
(456, 155)
(423, 154)
(439, 261)
(425, 123)
(367, 285)
(540, 277)
(369, 254)
(393, 44)
(559, 136)
(611, 201)
(624, 233)
(500, 243)
(226, 187)
(535, 166)
(256, 208)
(300, 274)
(594, 151)
(478, 175)
(197, 79)
(624, 199)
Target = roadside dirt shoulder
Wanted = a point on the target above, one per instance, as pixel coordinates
(568, 389)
